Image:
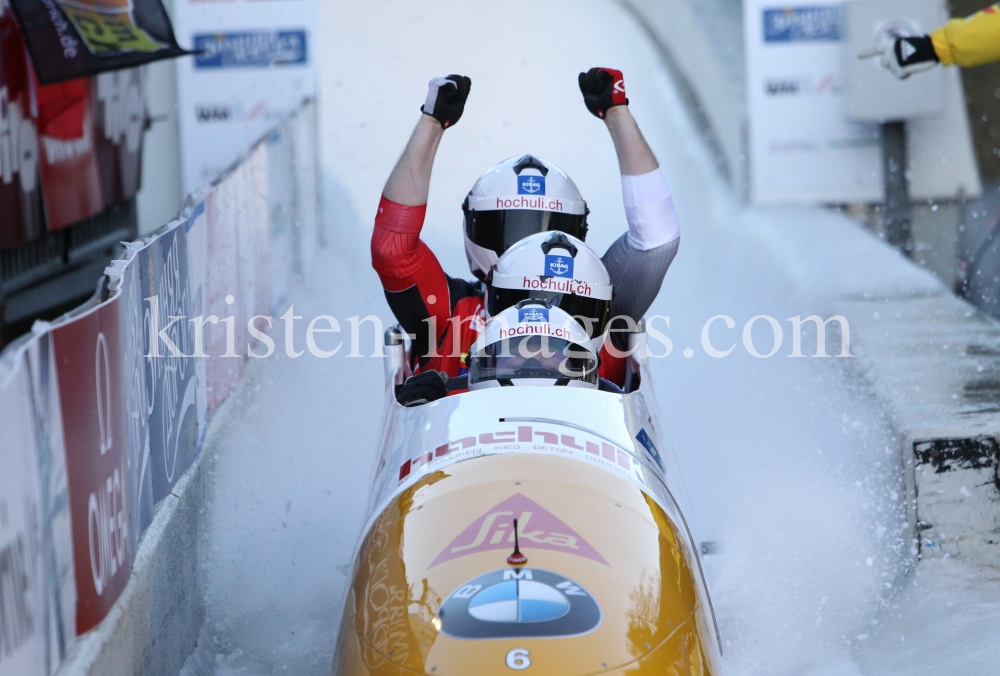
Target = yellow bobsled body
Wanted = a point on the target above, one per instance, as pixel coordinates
(612, 582)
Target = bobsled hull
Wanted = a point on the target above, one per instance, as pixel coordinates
(612, 581)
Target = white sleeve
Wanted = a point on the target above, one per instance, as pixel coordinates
(649, 209)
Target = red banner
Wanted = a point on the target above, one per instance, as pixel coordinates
(91, 391)
(68, 151)
(21, 217)
(70, 176)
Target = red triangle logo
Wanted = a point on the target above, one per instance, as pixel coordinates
(537, 529)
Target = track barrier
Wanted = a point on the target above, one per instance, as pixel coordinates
(95, 433)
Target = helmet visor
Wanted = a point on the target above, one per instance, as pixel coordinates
(500, 230)
(592, 313)
(533, 357)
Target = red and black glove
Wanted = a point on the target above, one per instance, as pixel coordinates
(446, 99)
(602, 88)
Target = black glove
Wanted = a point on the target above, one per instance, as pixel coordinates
(424, 388)
(602, 88)
(446, 99)
(905, 56)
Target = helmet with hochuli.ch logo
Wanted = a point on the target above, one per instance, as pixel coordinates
(557, 268)
(521, 196)
(533, 343)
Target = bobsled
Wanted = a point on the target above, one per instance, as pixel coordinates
(529, 529)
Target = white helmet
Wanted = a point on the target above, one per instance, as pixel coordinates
(533, 343)
(514, 199)
(558, 268)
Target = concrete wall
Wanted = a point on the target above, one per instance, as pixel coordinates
(932, 359)
(155, 623)
(154, 626)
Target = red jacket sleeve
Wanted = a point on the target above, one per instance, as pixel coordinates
(415, 285)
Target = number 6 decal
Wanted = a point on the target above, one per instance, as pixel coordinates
(518, 658)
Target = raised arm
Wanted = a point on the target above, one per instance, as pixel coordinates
(634, 155)
(638, 261)
(416, 287)
(410, 179)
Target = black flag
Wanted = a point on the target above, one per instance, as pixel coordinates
(68, 39)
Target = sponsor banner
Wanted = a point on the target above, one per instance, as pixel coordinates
(137, 398)
(168, 343)
(539, 438)
(70, 39)
(92, 395)
(20, 183)
(305, 166)
(283, 240)
(196, 236)
(250, 49)
(120, 111)
(803, 24)
(222, 278)
(802, 147)
(22, 586)
(254, 67)
(91, 142)
(68, 133)
(54, 522)
(255, 239)
(68, 150)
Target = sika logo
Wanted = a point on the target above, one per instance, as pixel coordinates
(530, 185)
(539, 529)
(558, 266)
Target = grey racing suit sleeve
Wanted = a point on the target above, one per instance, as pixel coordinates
(638, 260)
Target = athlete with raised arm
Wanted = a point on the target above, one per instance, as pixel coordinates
(514, 199)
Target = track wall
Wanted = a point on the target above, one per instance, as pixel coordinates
(104, 414)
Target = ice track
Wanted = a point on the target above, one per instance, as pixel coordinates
(787, 461)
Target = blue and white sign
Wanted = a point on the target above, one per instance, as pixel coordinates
(558, 265)
(530, 185)
(519, 603)
(533, 314)
(171, 398)
(250, 49)
(803, 24)
(643, 438)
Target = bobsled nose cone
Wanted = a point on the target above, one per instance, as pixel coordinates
(610, 585)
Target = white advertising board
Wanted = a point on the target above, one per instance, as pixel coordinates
(873, 93)
(22, 615)
(803, 148)
(254, 67)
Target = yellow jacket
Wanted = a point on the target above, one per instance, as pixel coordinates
(970, 42)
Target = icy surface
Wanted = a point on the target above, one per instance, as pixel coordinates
(788, 463)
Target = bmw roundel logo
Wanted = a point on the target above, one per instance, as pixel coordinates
(513, 603)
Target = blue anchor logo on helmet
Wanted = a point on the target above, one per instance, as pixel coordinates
(530, 185)
(558, 266)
